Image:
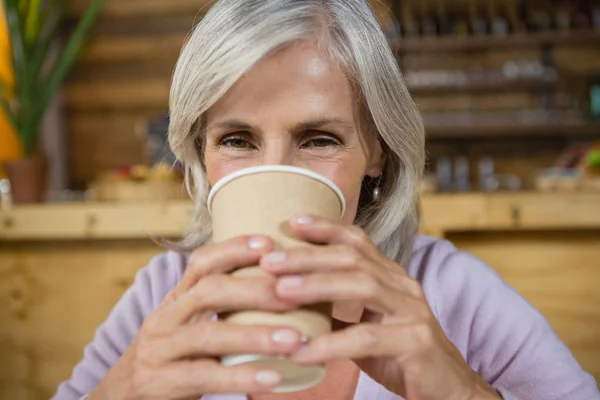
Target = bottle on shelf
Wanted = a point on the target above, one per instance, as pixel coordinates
(517, 16)
(498, 19)
(595, 98)
(539, 16)
(479, 24)
(582, 15)
(596, 16)
(429, 23)
(563, 16)
(444, 20)
(444, 174)
(487, 175)
(462, 176)
(408, 21)
(460, 23)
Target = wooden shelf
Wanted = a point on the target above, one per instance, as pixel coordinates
(512, 130)
(119, 95)
(473, 43)
(507, 85)
(509, 211)
(470, 212)
(115, 48)
(127, 220)
(136, 8)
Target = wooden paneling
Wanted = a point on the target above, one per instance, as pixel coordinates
(124, 80)
(107, 139)
(125, 77)
(147, 48)
(118, 95)
(470, 212)
(60, 276)
(135, 8)
(59, 294)
(558, 273)
(126, 220)
(127, 72)
(482, 42)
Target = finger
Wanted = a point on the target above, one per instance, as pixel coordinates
(324, 231)
(219, 338)
(362, 341)
(336, 287)
(310, 259)
(220, 258)
(204, 377)
(219, 293)
(335, 258)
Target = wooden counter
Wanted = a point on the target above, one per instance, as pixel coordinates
(442, 214)
(63, 267)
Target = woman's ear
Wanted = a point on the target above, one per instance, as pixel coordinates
(377, 160)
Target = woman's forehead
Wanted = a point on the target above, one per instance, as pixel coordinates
(297, 78)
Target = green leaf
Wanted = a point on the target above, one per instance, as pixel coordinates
(19, 61)
(60, 70)
(5, 106)
(50, 26)
(22, 5)
(32, 26)
(16, 39)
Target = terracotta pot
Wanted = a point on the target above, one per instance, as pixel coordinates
(27, 179)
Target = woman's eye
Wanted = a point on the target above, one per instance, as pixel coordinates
(321, 141)
(235, 142)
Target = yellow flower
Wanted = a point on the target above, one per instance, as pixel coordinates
(10, 148)
(6, 73)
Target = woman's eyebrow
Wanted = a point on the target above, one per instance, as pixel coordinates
(231, 124)
(320, 123)
(302, 126)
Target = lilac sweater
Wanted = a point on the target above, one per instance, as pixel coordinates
(500, 335)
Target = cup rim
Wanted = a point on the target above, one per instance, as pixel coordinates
(275, 168)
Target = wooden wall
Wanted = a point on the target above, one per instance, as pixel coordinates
(558, 272)
(124, 81)
(54, 295)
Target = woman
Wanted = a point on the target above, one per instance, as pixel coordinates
(314, 84)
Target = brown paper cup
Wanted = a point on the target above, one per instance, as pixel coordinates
(261, 200)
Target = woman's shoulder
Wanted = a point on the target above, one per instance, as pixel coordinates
(162, 273)
(432, 256)
(452, 278)
(439, 259)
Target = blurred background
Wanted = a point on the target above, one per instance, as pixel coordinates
(509, 91)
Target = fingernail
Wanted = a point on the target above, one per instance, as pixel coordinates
(305, 220)
(290, 282)
(268, 378)
(274, 258)
(257, 243)
(285, 337)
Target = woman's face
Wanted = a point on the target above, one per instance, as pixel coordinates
(293, 108)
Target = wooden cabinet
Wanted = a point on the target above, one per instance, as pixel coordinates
(53, 297)
(558, 272)
(63, 267)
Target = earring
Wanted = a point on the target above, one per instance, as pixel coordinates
(377, 190)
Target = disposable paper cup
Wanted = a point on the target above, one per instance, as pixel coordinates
(261, 200)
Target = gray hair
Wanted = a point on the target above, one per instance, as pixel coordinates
(235, 34)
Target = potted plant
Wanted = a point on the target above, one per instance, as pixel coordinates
(39, 67)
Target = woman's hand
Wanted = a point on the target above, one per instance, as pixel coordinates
(174, 355)
(398, 342)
